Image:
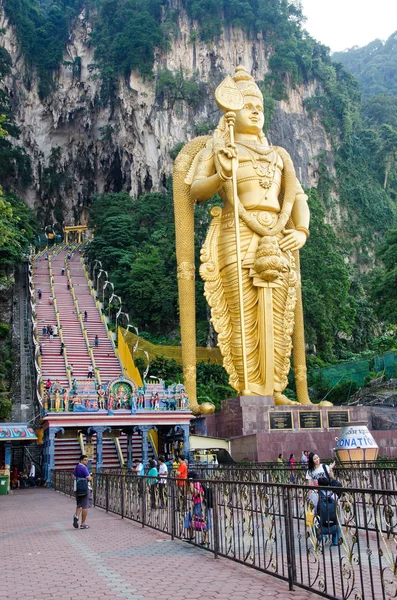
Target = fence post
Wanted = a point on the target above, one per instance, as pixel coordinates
(215, 524)
(289, 536)
(122, 495)
(142, 481)
(173, 508)
(107, 492)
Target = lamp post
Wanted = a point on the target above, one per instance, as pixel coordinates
(111, 297)
(99, 276)
(97, 262)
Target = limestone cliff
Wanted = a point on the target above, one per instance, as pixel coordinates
(79, 147)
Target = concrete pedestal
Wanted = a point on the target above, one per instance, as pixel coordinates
(245, 420)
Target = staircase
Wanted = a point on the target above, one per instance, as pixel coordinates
(67, 451)
(78, 355)
(52, 362)
(105, 359)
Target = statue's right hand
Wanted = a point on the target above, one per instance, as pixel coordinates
(224, 159)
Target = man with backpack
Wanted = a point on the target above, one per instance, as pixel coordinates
(83, 491)
(327, 512)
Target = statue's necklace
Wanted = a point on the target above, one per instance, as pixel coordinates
(265, 173)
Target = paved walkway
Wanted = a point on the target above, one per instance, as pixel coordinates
(42, 556)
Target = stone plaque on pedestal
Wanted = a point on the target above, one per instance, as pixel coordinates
(310, 419)
(280, 421)
(338, 418)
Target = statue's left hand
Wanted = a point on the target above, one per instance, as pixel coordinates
(293, 240)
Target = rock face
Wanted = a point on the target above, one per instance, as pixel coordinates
(79, 147)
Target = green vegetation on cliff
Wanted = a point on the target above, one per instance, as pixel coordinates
(374, 65)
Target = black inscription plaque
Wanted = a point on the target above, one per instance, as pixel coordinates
(310, 419)
(337, 418)
(280, 420)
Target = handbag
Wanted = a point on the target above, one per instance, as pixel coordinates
(309, 517)
(81, 486)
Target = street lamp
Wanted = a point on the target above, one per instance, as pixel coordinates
(99, 276)
(97, 262)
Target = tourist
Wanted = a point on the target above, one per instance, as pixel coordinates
(50, 300)
(48, 384)
(55, 331)
(198, 519)
(181, 472)
(32, 475)
(23, 478)
(138, 467)
(304, 458)
(152, 481)
(62, 349)
(41, 349)
(163, 474)
(46, 257)
(44, 330)
(90, 371)
(68, 284)
(85, 316)
(327, 509)
(292, 466)
(315, 471)
(279, 459)
(39, 293)
(71, 371)
(63, 271)
(83, 491)
(96, 341)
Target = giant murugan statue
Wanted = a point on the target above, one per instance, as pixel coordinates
(250, 259)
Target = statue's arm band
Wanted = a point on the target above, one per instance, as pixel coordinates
(304, 229)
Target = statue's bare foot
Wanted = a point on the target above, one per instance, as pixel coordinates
(325, 403)
(281, 400)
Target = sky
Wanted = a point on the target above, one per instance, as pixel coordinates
(341, 24)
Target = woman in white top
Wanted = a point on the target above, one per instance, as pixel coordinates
(316, 471)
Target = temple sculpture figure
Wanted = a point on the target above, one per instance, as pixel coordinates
(250, 265)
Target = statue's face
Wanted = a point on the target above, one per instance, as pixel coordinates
(251, 118)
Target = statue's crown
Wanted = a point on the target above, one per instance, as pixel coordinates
(246, 83)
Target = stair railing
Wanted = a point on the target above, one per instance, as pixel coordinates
(35, 335)
(83, 329)
(81, 442)
(119, 451)
(103, 318)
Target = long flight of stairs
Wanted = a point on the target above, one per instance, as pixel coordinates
(105, 359)
(67, 450)
(53, 363)
(78, 356)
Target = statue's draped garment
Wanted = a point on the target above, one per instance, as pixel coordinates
(269, 304)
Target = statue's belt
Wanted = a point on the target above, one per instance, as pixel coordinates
(266, 218)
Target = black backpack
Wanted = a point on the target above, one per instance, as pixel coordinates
(326, 509)
(209, 501)
(81, 486)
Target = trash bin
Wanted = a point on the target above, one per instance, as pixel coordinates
(3, 485)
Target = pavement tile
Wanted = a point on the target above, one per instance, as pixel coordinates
(115, 558)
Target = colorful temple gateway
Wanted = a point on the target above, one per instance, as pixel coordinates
(92, 397)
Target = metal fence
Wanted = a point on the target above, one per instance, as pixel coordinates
(268, 526)
(382, 478)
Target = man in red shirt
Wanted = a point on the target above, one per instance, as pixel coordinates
(181, 473)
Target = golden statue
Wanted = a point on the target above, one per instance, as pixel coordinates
(250, 264)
